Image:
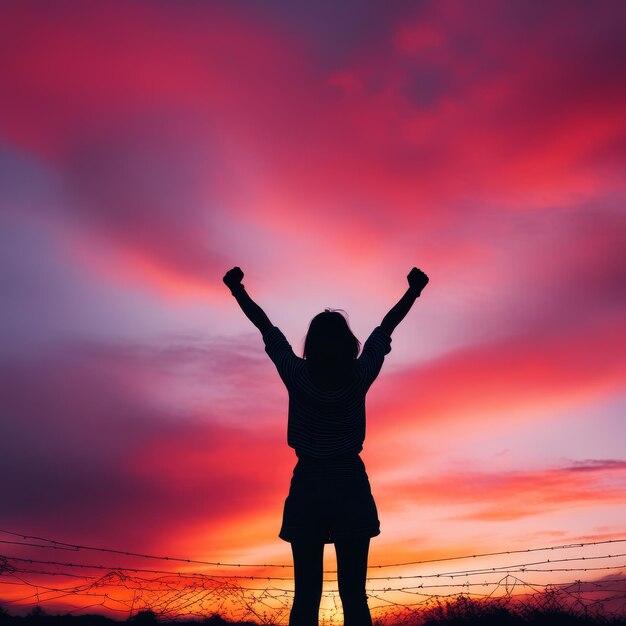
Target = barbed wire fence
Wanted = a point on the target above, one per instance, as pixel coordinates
(399, 593)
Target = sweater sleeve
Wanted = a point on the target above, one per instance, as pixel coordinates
(280, 351)
(377, 345)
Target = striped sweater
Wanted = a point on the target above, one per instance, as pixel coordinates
(321, 423)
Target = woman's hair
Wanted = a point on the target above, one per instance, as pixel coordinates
(330, 349)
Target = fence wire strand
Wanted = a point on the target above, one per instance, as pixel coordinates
(518, 584)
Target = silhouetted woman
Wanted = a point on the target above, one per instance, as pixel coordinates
(330, 500)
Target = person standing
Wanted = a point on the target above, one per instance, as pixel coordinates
(330, 498)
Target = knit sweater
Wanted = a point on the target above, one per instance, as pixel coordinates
(325, 424)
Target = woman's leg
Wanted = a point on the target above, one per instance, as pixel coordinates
(352, 572)
(308, 562)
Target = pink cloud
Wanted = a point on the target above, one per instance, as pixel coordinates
(134, 124)
(522, 377)
(157, 135)
(94, 450)
(488, 497)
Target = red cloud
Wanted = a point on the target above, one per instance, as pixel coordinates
(94, 450)
(130, 105)
(522, 377)
(515, 494)
(159, 121)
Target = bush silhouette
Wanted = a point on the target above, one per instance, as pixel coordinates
(144, 617)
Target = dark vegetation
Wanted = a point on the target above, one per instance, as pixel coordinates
(39, 617)
(462, 612)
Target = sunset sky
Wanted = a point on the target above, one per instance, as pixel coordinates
(326, 148)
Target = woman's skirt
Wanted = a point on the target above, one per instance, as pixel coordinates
(329, 499)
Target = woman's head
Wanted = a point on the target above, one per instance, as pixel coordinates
(330, 340)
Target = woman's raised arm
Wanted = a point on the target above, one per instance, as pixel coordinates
(417, 281)
(252, 310)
